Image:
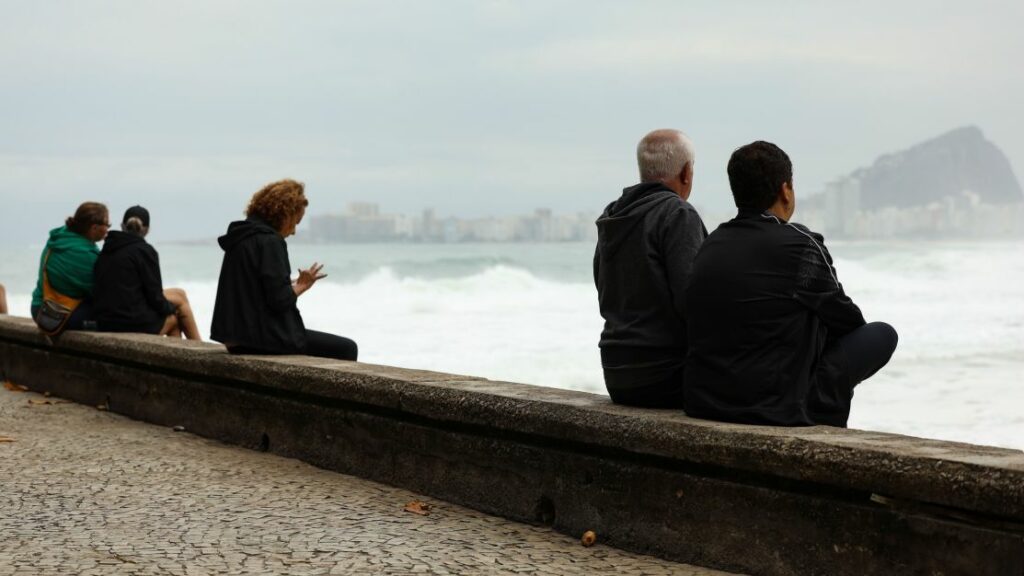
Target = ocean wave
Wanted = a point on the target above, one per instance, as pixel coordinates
(954, 316)
(502, 323)
(946, 307)
(961, 333)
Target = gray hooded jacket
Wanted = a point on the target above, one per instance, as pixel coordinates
(647, 240)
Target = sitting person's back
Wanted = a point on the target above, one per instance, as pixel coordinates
(66, 263)
(256, 310)
(646, 243)
(256, 306)
(773, 337)
(128, 294)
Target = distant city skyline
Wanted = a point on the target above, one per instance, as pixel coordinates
(958, 184)
(475, 108)
(837, 213)
(364, 222)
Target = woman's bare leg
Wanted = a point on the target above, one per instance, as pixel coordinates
(170, 327)
(183, 310)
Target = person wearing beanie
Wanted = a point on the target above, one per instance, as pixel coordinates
(128, 294)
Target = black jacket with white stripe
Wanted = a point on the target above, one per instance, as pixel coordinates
(763, 301)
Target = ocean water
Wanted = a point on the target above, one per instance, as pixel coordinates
(528, 313)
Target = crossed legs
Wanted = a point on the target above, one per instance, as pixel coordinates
(183, 321)
(846, 362)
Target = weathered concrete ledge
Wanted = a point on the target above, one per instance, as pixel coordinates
(752, 499)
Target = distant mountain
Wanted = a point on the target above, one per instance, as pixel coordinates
(957, 161)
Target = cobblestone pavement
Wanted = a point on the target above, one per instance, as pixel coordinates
(84, 491)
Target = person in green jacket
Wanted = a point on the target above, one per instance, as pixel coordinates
(72, 254)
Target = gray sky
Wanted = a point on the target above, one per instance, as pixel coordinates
(470, 107)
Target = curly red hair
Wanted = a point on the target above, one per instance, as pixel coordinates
(277, 202)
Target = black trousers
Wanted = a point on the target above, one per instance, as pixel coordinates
(646, 378)
(320, 344)
(665, 394)
(326, 345)
(846, 362)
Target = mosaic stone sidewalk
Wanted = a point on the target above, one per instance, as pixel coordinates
(84, 491)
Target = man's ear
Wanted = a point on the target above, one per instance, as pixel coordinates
(786, 194)
(686, 176)
(787, 190)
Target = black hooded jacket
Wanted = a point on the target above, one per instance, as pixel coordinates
(128, 294)
(647, 240)
(763, 301)
(256, 305)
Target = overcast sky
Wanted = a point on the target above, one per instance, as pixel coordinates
(469, 107)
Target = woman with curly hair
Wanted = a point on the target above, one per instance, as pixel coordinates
(255, 311)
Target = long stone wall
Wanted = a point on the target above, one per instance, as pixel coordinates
(759, 500)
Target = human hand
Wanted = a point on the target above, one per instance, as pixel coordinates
(308, 277)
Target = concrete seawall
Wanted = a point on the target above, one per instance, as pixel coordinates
(751, 499)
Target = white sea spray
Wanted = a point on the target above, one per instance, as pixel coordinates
(528, 313)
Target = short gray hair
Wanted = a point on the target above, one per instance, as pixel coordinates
(662, 154)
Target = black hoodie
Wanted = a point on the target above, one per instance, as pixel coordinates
(255, 305)
(647, 240)
(128, 294)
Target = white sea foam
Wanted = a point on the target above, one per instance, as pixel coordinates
(943, 307)
(502, 323)
(529, 314)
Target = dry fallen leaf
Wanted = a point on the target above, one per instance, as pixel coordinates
(14, 387)
(417, 507)
(588, 538)
(38, 401)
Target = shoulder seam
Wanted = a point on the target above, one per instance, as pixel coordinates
(820, 251)
(813, 241)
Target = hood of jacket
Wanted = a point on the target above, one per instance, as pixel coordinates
(69, 259)
(117, 240)
(242, 229)
(622, 215)
(64, 240)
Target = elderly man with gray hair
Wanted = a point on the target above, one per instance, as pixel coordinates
(647, 240)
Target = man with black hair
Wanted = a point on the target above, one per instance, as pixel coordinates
(773, 337)
(646, 243)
